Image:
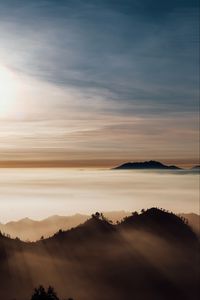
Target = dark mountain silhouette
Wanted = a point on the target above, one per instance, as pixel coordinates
(27, 229)
(151, 255)
(161, 223)
(155, 165)
(95, 228)
(97, 224)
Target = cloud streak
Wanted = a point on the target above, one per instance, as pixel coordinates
(135, 55)
(111, 61)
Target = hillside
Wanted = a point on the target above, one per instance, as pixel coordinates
(146, 256)
(31, 230)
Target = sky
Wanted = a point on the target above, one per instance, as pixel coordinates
(95, 82)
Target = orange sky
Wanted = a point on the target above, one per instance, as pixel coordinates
(84, 163)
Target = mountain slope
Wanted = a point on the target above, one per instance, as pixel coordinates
(146, 256)
(27, 229)
(162, 223)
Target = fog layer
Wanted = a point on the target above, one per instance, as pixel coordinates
(39, 193)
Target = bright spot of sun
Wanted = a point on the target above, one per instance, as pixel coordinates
(8, 89)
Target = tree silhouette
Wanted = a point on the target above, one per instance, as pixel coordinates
(96, 215)
(51, 294)
(41, 294)
(134, 213)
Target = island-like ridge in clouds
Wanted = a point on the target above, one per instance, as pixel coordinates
(151, 164)
(154, 165)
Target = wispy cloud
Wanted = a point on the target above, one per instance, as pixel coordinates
(99, 67)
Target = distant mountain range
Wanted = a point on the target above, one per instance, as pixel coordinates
(30, 230)
(146, 256)
(150, 165)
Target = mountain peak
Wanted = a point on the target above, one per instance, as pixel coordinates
(162, 222)
(26, 220)
(151, 164)
(94, 227)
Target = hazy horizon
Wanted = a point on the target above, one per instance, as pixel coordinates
(101, 163)
(89, 215)
(38, 193)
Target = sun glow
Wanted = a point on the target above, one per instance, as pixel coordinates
(8, 92)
